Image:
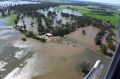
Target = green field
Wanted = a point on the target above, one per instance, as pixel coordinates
(113, 19)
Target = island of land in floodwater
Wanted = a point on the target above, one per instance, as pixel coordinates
(54, 41)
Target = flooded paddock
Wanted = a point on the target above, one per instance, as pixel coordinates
(51, 60)
(72, 12)
(14, 53)
(59, 59)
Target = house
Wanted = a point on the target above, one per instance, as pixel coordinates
(49, 34)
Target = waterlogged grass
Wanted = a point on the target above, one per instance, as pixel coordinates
(113, 19)
(92, 54)
(10, 20)
(0, 16)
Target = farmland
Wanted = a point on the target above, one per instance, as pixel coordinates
(86, 11)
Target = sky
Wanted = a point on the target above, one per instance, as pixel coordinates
(106, 1)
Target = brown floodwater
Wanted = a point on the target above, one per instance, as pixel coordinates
(59, 60)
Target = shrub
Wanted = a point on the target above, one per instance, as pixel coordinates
(85, 67)
(23, 39)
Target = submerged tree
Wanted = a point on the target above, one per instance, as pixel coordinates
(85, 67)
(98, 40)
(83, 32)
(103, 49)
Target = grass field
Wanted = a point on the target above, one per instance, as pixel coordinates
(113, 19)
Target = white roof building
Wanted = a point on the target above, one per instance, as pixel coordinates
(48, 34)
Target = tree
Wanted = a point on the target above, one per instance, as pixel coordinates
(23, 39)
(24, 26)
(98, 40)
(111, 46)
(108, 22)
(40, 27)
(103, 49)
(3, 13)
(32, 24)
(85, 67)
(83, 32)
(16, 22)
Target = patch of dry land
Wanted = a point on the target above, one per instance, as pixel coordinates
(62, 57)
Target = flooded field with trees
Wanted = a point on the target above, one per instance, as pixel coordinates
(53, 41)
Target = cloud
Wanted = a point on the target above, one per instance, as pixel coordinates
(106, 1)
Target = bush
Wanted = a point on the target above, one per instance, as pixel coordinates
(110, 54)
(23, 39)
(85, 67)
(30, 34)
(112, 47)
(103, 49)
(98, 40)
(83, 32)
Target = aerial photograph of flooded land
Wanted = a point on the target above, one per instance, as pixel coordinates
(58, 39)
